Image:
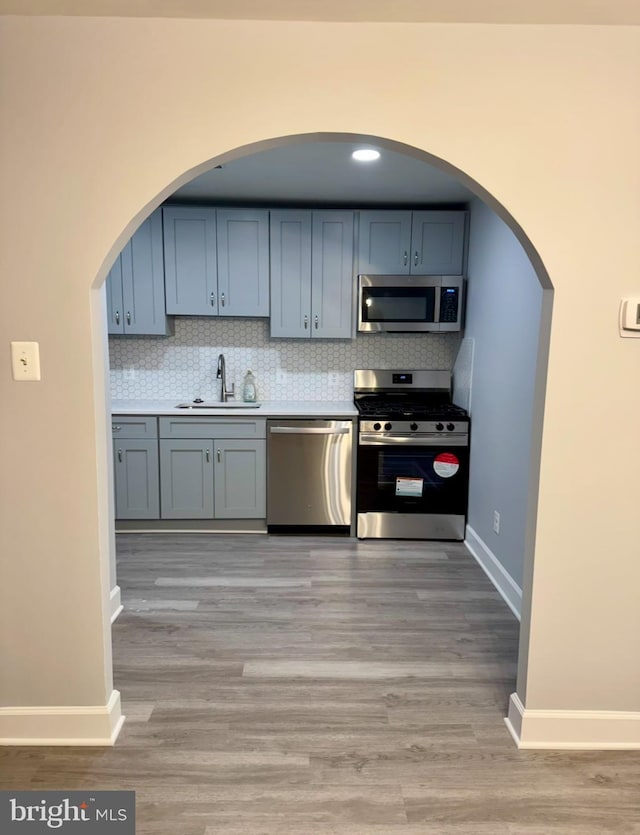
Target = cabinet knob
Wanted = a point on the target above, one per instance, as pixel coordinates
(316, 321)
(128, 317)
(415, 258)
(222, 299)
(207, 455)
(213, 299)
(406, 258)
(120, 455)
(115, 427)
(306, 322)
(117, 317)
(219, 457)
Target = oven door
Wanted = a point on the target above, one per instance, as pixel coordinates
(398, 476)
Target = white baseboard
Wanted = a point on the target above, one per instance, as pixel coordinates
(595, 730)
(86, 725)
(116, 603)
(508, 589)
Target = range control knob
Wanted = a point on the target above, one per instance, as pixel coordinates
(387, 427)
(414, 426)
(376, 426)
(439, 427)
(451, 427)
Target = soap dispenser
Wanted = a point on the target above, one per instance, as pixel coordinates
(249, 394)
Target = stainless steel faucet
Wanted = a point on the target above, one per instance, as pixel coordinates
(222, 375)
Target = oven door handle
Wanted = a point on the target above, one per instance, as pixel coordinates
(413, 440)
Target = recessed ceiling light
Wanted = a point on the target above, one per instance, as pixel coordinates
(365, 155)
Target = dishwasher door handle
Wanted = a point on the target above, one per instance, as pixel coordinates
(309, 430)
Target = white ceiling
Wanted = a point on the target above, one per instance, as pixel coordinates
(324, 173)
(607, 12)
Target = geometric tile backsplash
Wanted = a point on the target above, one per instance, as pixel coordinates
(183, 366)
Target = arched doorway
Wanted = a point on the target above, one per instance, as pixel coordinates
(537, 348)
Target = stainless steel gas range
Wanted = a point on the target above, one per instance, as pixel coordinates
(413, 456)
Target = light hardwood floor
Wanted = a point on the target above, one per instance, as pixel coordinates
(318, 686)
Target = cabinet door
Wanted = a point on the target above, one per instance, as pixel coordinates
(186, 479)
(240, 479)
(113, 285)
(332, 279)
(384, 243)
(437, 243)
(143, 280)
(243, 262)
(136, 479)
(190, 260)
(291, 273)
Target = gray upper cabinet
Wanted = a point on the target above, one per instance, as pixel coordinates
(135, 285)
(190, 260)
(384, 243)
(312, 274)
(290, 273)
(243, 262)
(417, 243)
(216, 261)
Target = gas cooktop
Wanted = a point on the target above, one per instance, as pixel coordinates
(410, 393)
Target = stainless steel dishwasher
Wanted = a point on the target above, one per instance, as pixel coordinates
(309, 476)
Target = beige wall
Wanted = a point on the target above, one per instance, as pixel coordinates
(100, 116)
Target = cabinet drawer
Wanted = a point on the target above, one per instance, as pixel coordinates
(194, 427)
(129, 426)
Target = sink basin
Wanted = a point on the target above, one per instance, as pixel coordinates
(216, 404)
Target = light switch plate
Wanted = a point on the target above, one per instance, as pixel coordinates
(25, 361)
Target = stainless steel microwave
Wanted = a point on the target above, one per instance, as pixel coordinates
(410, 303)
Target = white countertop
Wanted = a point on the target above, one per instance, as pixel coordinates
(267, 408)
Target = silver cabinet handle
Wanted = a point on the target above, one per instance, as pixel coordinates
(406, 258)
(115, 427)
(213, 299)
(306, 322)
(128, 317)
(415, 258)
(219, 457)
(207, 455)
(222, 299)
(120, 455)
(117, 317)
(316, 321)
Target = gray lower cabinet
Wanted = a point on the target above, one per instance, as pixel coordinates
(312, 274)
(135, 285)
(186, 487)
(214, 477)
(136, 468)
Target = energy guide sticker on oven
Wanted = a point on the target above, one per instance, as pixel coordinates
(409, 486)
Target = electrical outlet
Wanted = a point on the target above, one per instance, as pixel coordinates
(496, 522)
(129, 373)
(281, 376)
(333, 378)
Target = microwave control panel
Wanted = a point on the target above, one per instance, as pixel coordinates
(449, 304)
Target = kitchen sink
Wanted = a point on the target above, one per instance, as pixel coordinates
(216, 404)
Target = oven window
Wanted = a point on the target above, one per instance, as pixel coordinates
(412, 479)
(398, 304)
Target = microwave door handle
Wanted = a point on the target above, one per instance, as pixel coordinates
(436, 308)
